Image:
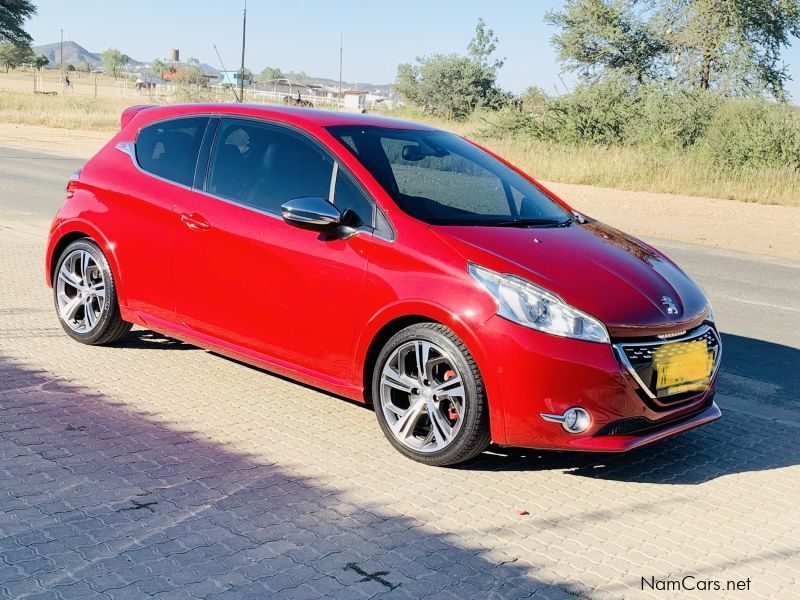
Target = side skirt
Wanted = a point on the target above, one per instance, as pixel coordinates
(340, 387)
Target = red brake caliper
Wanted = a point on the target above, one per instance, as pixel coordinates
(452, 414)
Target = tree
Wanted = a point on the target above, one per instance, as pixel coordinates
(533, 99)
(41, 61)
(157, 67)
(482, 46)
(13, 55)
(730, 45)
(270, 73)
(452, 85)
(13, 14)
(113, 61)
(86, 67)
(598, 36)
(734, 45)
(448, 85)
(190, 82)
(191, 75)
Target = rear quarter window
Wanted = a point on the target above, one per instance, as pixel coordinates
(169, 149)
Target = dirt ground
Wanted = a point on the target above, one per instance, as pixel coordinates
(768, 230)
(725, 224)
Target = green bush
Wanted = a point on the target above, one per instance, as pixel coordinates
(673, 117)
(754, 133)
(595, 114)
(732, 132)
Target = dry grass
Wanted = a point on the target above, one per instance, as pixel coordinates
(655, 171)
(65, 112)
(617, 167)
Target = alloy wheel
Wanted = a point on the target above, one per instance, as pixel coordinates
(422, 396)
(80, 291)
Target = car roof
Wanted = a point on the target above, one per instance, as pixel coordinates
(289, 114)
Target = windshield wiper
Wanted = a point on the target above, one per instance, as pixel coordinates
(531, 223)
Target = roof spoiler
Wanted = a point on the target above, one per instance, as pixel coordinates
(131, 112)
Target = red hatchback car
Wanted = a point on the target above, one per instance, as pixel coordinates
(388, 262)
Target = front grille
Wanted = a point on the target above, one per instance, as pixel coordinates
(638, 359)
(640, 425)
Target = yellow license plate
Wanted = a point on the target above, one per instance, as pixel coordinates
(683, 367)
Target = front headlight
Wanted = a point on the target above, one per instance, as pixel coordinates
(532, 306)
(710, 315)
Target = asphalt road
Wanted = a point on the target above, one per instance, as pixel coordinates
(755, 298)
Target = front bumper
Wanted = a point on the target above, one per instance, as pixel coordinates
(535, 373)
(647, 435)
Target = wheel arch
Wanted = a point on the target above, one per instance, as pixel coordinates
(68, 233)
(58, 249)
(396, 318)
(383, 335)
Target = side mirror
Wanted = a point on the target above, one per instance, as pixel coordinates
(311, 213)
(412, 153)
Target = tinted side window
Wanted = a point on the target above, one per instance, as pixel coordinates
(265, 166)
(169, 149)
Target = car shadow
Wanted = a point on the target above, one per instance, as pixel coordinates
(151, 340)
(736, 443)
(764, 369)
(98, 498)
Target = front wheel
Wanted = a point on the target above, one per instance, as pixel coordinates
(86, 297)
(429, 396)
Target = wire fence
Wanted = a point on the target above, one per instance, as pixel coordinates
(173, 92)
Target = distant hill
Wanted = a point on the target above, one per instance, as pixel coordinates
(74, 54)
(208, 69)
(77, 55)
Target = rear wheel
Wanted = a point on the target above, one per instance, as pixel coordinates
(429, 396)
(86, 297)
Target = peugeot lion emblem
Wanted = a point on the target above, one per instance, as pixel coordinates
(672, 308)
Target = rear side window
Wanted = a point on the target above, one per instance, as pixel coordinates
(169, 149)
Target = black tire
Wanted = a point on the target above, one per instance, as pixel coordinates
(110, 326)
(473, 436)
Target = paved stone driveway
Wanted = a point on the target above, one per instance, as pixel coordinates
(156, 468)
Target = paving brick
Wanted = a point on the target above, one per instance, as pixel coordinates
(264, 487)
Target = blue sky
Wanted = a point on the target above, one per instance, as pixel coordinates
(304, 34)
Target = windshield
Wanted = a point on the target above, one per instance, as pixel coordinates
(442, 179)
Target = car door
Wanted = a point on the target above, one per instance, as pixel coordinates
(244, 276)
(165, 156)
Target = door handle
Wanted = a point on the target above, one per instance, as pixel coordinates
(195, 221)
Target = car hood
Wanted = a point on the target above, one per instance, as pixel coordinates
(630, 286)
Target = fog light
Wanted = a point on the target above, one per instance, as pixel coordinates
(574, 420)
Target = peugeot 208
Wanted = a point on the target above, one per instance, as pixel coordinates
(387, 262)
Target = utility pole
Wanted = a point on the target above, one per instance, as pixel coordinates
(61, 52)
(241, 70)
(341, 37)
